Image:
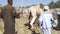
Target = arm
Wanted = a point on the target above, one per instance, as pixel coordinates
(52, 20)
(41, 21)
(15, 13)
(1, 13)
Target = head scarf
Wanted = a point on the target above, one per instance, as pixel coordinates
(46, 8)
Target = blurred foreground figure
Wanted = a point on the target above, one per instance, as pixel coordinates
(8, 14)
(35, 12)
(46, 20)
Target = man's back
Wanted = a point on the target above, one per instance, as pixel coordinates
(7, 11)
(47, 20)
(9, 20)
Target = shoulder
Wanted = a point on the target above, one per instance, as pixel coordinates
(50, 14)
(13, 8)
(2, 8)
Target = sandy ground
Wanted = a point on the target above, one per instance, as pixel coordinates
(22, 29)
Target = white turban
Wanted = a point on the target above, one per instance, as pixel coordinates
(46, 7)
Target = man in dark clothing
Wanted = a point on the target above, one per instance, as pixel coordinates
(8, 14)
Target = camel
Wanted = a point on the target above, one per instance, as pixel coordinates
(35, 12)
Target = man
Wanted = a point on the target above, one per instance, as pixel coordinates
(8, 14)
(46, 20)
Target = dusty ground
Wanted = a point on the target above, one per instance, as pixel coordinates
(22, 29)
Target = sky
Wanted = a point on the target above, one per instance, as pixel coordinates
(26, 2)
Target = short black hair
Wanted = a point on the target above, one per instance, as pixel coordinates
(10, 2)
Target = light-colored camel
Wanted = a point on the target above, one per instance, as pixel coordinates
(35, 12)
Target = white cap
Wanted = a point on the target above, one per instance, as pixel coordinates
(46, 7)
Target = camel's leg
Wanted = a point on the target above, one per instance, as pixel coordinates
(32, 21)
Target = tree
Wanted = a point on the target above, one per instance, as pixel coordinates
(54, 5)
(51, 4)
(57, 4)
(41, 5)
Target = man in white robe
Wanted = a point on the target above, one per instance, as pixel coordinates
(46, 20)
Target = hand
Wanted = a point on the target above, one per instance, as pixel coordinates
(41, 27)
(18, 10)
(0, 10)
